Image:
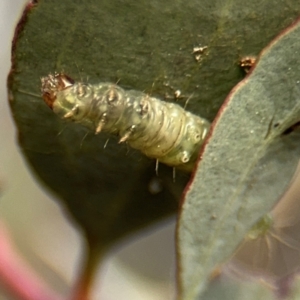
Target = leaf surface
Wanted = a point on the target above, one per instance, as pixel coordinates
(246, 165)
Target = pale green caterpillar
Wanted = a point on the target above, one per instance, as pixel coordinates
(159, 129)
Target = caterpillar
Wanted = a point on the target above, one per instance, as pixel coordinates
(159, 129)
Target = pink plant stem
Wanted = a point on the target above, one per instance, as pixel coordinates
(17, 276)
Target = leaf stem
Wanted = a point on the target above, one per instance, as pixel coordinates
(84, 284)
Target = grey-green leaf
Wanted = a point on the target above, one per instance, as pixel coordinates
(246, 165)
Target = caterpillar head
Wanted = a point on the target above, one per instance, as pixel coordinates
(53, 84)
(65, 97)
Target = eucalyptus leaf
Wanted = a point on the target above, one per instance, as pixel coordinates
(246, 165)
(271, 250)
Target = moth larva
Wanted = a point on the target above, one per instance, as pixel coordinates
(159, 129)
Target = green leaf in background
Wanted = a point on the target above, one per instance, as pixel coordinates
(148, 46)
(246, 165)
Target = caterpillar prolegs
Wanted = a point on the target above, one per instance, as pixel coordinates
(159, 129)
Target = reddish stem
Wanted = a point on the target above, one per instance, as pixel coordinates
(83, 287)
(17, 275)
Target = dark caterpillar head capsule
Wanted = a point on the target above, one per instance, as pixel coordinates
(52, 84)
(68, 99)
